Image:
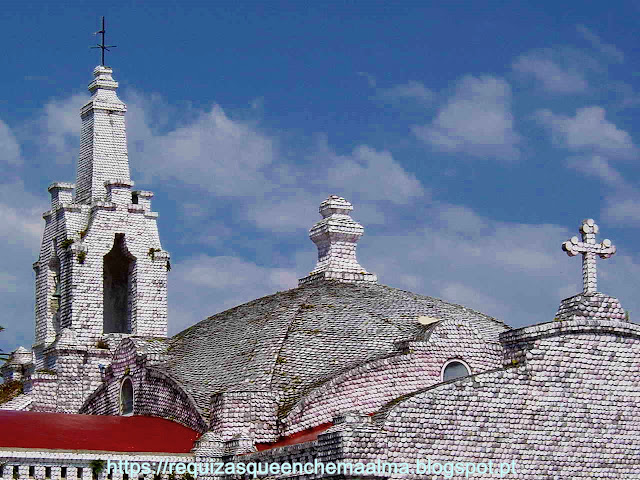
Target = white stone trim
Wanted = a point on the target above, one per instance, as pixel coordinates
(454, 360)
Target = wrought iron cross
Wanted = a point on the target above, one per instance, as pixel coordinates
(589, 249)
(102, 45)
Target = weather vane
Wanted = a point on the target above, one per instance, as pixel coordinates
(102, 45)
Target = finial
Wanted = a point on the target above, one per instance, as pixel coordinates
(590, 304)
(589, 249)
(336, 236)
(102, 45)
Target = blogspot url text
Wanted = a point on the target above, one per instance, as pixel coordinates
(428, 466)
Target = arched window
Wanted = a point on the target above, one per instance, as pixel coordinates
(455, 369)
(126, 397)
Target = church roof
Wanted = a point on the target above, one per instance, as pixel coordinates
(63, 431)
(293, 341)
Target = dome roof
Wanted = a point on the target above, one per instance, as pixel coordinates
(293, 341)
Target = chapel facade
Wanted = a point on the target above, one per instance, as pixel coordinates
(339, 369)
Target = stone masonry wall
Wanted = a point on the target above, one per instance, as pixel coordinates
(366, 388)
(567, 409)
(343, 442)
(103, 140)
(253, 414)
(155, 393)
(149, 304)
(72, 375)
(79, 231)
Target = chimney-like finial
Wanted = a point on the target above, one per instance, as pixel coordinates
(102, 45)
(336, 236)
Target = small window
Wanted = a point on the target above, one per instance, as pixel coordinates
(47, 472)
(455, 369)
(126, 397)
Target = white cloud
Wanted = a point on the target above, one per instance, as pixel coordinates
(412, 91)
(606, 48)
(461, 294)
(21, 227)
(220, 273)
(285, 213)
(597, 166)
(622, 211)
(477, 121)
(203, 285)
(366, 177)
(60, 127)
(211, 152)
(373, 174)
(9, 147)
(513, 271)
(588, 131)
(460, 219)
(551, 75)
(21, 220)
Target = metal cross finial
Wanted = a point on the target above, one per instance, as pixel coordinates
(589, 249)
(102, 45)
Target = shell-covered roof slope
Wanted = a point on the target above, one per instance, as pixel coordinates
(290, 342)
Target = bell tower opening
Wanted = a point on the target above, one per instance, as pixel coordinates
(55, 292)
(118, 281)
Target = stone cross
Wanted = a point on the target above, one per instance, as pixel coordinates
(588, 248)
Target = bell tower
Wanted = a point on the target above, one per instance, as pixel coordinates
(102, 273)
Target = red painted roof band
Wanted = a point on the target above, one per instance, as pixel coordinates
(63, 431)
(305, 436)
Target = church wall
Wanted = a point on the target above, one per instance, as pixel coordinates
(85, 159)
(148, 294)
(43, 387)
(110, 158)
(353, 438)
(44, 328)
(252, 414)
(568, 409)
(93, 231)
(366, 388)
(74, 375)
(61, 223)
(155, 393)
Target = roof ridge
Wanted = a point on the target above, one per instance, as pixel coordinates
(284, 337)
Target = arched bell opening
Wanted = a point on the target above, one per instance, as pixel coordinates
(118, 287)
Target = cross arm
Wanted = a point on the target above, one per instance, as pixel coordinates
(574, 247)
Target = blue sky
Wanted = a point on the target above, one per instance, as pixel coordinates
(472, 141)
